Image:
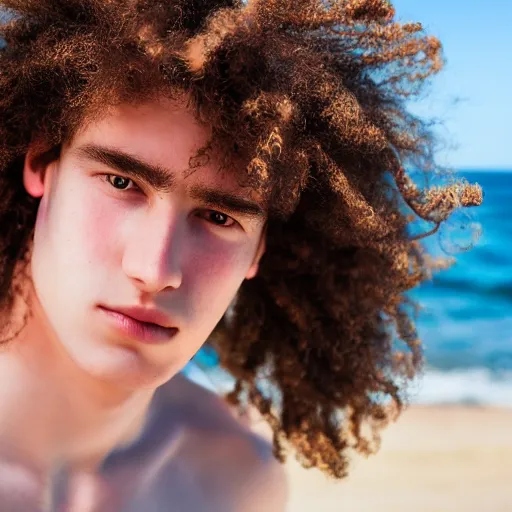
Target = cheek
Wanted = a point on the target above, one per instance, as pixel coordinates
(77, 232)
(99, 226)
(215, 274)
(219, 260)
(93, 223)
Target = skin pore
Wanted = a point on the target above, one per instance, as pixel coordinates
(120, 223)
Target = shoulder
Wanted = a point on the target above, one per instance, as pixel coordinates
(261, 484)
(227, 458)
(241, 469)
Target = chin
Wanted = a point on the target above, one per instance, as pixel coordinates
(120, 366)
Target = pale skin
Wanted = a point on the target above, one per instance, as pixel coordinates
(91, 419)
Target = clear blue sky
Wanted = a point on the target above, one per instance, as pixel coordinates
(477, 40)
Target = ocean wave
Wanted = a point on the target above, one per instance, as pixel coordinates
(475, 386)
(472, 287)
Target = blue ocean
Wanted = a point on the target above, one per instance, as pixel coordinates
(466, 323)
(466, 317)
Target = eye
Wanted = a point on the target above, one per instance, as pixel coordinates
(119, 182)
(218, 218)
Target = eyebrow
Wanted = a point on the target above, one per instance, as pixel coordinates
(227, 202)
(153, 175)
(162, 180)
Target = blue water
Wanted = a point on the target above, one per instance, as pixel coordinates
(466, 321)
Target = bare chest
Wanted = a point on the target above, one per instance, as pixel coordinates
(163, 480)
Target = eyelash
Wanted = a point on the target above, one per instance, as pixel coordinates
(137, 188)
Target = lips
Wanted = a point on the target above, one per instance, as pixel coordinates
(151, 316)
(145, 328)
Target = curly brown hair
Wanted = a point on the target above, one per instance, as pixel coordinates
(311, 97)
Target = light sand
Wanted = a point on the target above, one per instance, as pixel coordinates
(433, 459)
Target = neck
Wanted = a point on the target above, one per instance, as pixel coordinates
(53, 413)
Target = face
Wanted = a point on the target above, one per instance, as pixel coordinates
(123, 222)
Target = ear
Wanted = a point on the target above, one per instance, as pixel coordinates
(253, 269)
(35, 170)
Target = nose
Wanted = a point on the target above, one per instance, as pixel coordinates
(153, 253)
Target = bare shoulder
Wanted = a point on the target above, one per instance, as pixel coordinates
(246, 471)
(227, 458)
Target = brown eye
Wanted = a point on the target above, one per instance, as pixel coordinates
(219, 219)
(118, 182)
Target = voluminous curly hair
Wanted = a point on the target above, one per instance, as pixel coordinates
(310, 96)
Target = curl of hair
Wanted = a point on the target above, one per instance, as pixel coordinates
(310, 96)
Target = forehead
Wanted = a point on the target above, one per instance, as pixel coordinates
(165, 134)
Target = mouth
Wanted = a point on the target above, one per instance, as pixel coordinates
(146, 332)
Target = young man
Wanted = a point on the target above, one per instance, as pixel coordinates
(183, 171)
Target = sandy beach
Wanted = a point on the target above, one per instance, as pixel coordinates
(434, 459)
